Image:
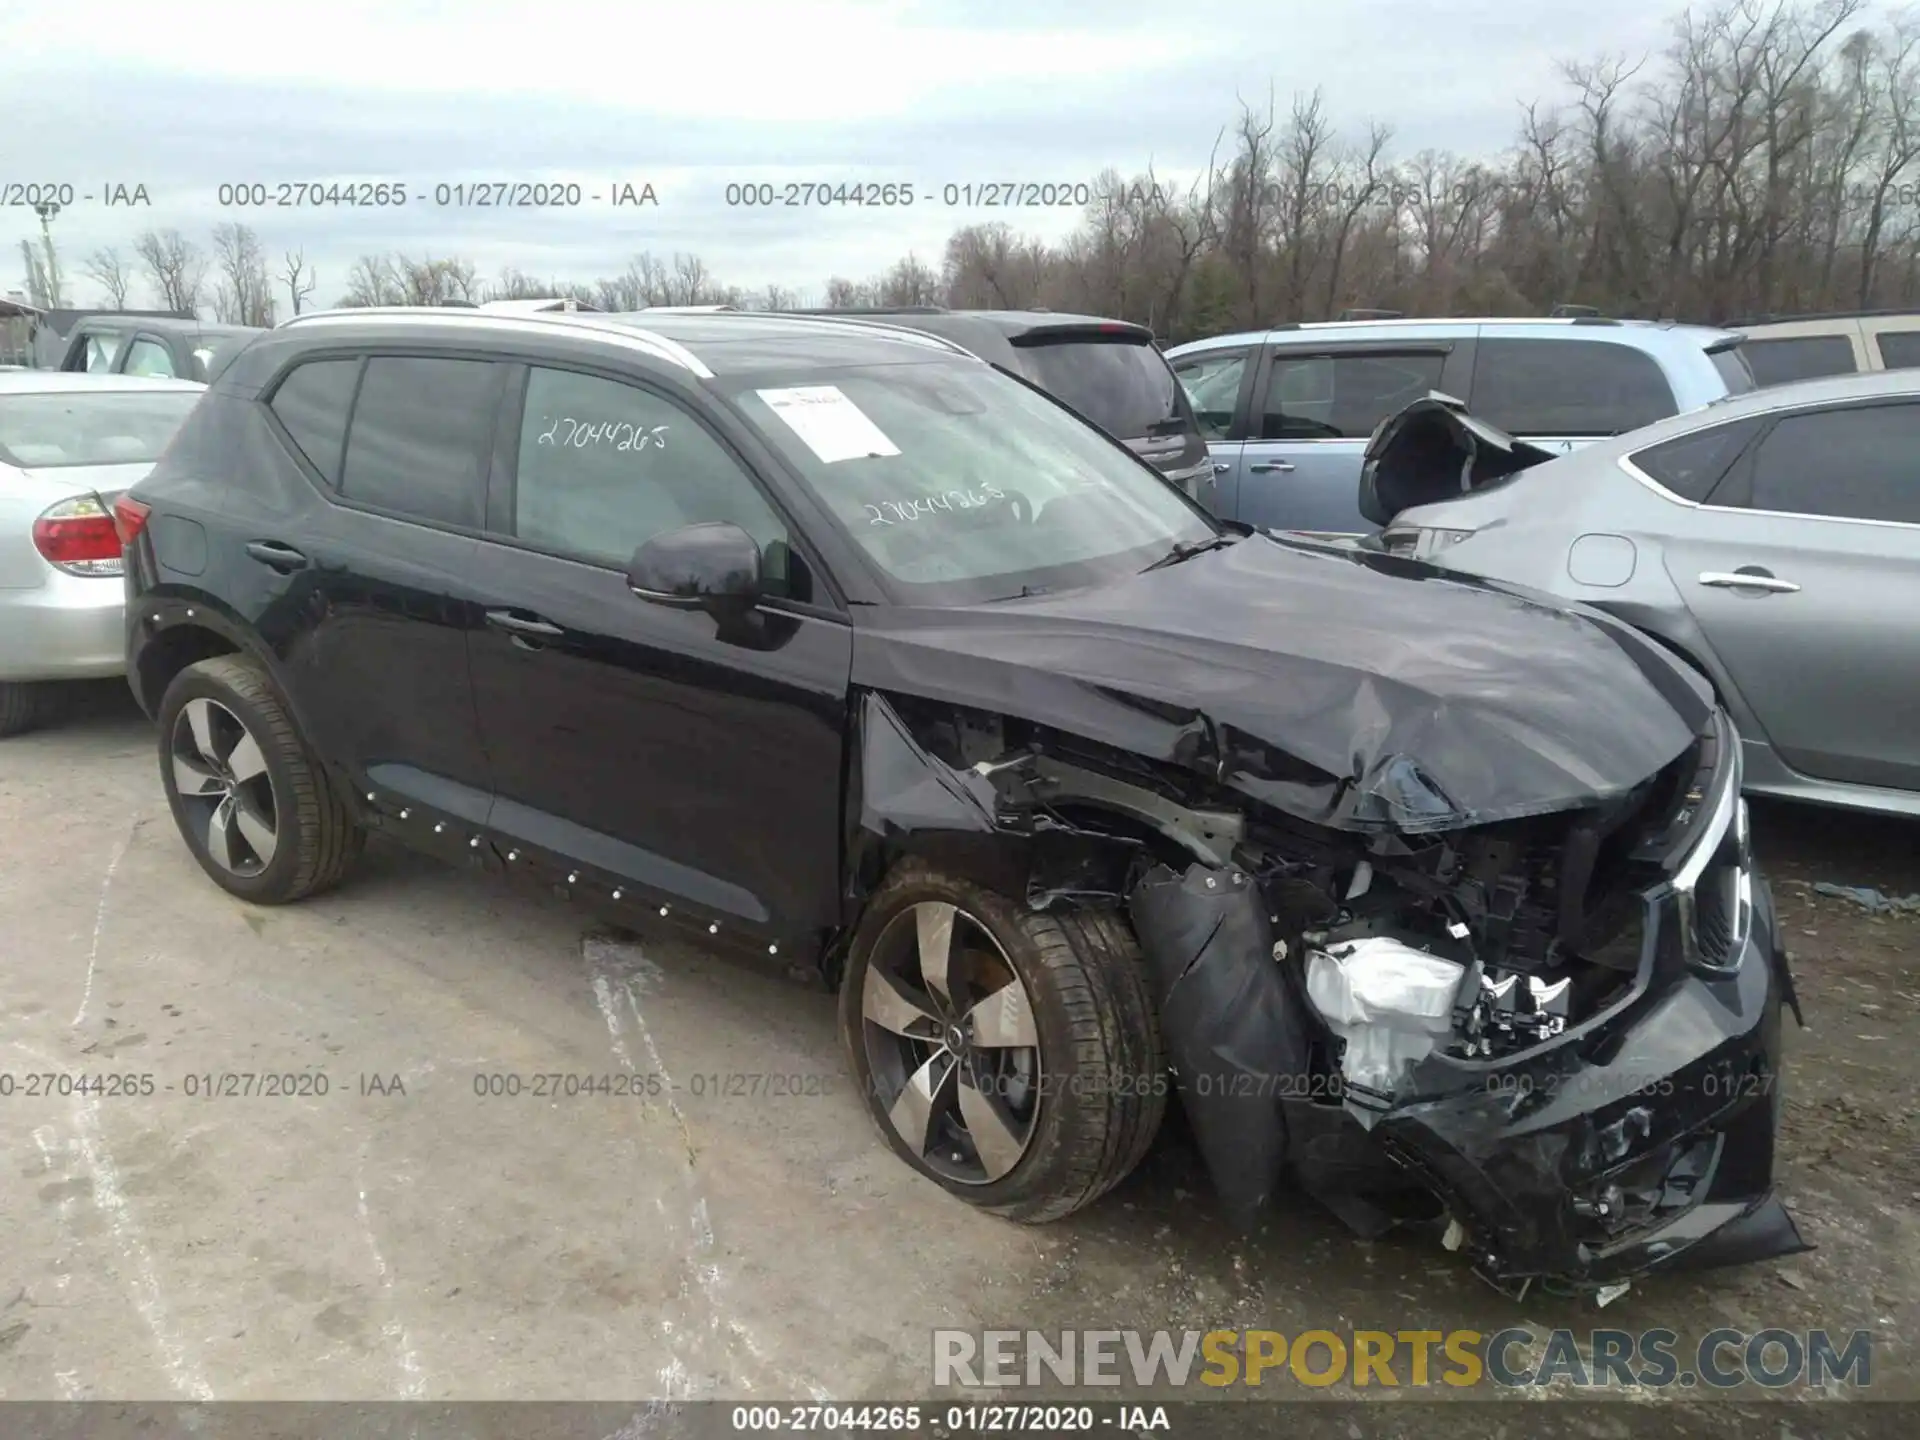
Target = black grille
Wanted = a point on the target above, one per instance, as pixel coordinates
(1715, 926)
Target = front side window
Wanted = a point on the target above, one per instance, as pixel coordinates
(605, 466)
(1568, 387)
(962, 484)
(149, 358)
(46, 430)
(421, 438)
(1212, 381)
(1344, 397)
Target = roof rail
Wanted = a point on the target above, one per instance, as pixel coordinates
(1783, 319)
(856, 320)
(1574, 312)
(1355, 314)
(544, 322)
(868, 310)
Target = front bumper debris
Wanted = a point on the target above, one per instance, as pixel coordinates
(1642, 1141)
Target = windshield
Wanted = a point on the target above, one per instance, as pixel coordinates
(49, 430)
(962, 484)
(1123, 385)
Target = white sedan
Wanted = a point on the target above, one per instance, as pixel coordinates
(69, 444)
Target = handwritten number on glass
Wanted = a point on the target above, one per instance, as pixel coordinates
(927, 504)
(582, 434)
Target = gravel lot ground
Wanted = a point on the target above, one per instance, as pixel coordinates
(426, 1242)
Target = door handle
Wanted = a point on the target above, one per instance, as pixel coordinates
(1741, 580)
(276, 556)
(1220, 467)
(521, 624)
(1265, 467)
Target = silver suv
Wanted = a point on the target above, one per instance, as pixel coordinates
(1288, 412)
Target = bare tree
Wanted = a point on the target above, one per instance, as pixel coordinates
(176, 267)
(107, 268)
(243, 294)
(299, 279)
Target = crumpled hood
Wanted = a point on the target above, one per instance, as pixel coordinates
(1350, 688)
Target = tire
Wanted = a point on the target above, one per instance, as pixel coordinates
(21, 707)
(1088, 1104)
(283, 789)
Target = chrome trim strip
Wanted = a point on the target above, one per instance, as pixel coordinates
(624, 336)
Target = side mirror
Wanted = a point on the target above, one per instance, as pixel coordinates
(712, 566)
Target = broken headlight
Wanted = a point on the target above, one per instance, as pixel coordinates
(1713, 884)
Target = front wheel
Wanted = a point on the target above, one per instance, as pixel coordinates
(252, 803)
(1013, 1057)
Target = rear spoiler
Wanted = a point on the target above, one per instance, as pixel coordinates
(1433, 450)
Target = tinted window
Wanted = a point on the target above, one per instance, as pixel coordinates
(312, 403)
(1568, 387)
(1776, 362)
(422, 430)
(149, 358)
(605, 467)
(1899, 349)
(1212, 382)
(1122, 386)
(1863, 464)
(1318, 397)
(1734, 371)
(1691, 465)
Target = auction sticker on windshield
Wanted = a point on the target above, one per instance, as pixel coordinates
(830, 424)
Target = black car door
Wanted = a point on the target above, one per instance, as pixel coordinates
(659, 753)
(366, 596)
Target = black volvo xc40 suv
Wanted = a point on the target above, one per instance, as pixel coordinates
(823, 640)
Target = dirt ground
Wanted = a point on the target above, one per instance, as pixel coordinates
(435, 1246)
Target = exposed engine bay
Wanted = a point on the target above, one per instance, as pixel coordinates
(1429, 1027)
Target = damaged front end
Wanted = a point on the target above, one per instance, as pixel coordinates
(1555, 1035)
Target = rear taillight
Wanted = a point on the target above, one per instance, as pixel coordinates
(130, 518)
(79, 537)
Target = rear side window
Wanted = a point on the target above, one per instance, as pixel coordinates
(1344, 397)
(1568, 387)
(421, 437)
(1692, 465)
(1123, 386)
(312, 403)
(1899, 349)
(1857, 463)
(1734, 371)
(1803, 357)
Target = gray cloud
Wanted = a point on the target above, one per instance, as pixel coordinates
(1455, 82)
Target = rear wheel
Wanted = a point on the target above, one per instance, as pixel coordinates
(22, 706)
(252, 803)
(1012, 1057)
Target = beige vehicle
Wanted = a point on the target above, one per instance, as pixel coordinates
(1803, 347)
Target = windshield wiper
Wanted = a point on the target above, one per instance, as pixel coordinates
(1187, 549)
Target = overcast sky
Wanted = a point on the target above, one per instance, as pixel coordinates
(182, 97)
